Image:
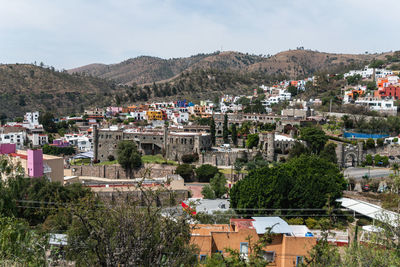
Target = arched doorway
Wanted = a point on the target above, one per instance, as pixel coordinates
(350, 160)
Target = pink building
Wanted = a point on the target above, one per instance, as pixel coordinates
(7, 148)
(35, 163)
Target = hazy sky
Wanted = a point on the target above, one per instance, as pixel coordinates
(71, 33)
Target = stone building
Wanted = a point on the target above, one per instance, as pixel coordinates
(273, 144)
(173, 144)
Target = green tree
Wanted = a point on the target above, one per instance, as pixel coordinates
(380, 142)
(370, 143)
(19, 119)
(234, 134)
(225, 131)
(348, 123)
(47, 120)
(207, 192)
(354, 80)
(297, 150)
(205, 172)
(20, 245)
(186, 171)
(218, 185)
(252, 140)
(128, 156)
(292, 90)
(302, 182)
(329, 152)
(376, 63)
(369, 160)
(212, 130)
(315, 138)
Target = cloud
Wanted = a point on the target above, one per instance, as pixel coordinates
(71, 33)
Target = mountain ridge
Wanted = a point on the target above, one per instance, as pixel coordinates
(294, 63)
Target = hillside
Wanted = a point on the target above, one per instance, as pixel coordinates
(293, 63)
(25, 87)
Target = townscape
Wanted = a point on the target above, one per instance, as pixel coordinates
(199, 133)
(272, 167)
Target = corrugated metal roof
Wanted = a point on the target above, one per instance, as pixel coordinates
(277, 225)
(370, 210)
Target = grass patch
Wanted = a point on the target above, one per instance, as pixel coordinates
(229, 171)
(157, 159)
(80, 162)
(107, 162)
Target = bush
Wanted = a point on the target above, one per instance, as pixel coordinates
(190, 158)
(370, 143)
(385, 161)
(378, 160)
(311, 223)
(395, 140)
(186, 171)
(205, 172)
(252, 140)
(295, 221)
(207, 192)
(380, 141)
(368, 160)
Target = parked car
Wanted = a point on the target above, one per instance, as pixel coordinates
(392, 158)
(366, 188)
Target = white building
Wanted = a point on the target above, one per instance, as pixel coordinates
(16, 138)
(367, 73)
(380, 105)
(138, 115)
(38, 139)
(82, 142)
(180, 117)
(32, 118)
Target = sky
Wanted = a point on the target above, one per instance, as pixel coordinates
(71, 33)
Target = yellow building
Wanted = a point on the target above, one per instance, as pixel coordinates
(153, 115)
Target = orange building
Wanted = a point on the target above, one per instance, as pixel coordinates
(286, 248)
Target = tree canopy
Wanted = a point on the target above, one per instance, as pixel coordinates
(307, 181)
(128, 155)
(315, 138)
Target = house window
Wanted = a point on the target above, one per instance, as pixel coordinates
(299, 260)
(203, 258)
(244, 247)
(269, 256)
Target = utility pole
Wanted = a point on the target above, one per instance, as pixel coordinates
(330, 106)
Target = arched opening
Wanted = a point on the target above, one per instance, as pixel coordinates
(350, 160)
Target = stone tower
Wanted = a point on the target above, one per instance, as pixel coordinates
(339, 154)
(271, 146)
(359, 152)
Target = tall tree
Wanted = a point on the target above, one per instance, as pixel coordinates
(315, 138)
(47, 120)
(234, 134)
(212, 130)
(225, 131)
(329, 152)
(128, 156)
(218, 185)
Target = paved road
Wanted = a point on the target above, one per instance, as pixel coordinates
(373, 173)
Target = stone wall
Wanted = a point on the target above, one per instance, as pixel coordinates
(117, 172)
(167, 198)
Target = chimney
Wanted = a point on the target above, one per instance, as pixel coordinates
(35, 163)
